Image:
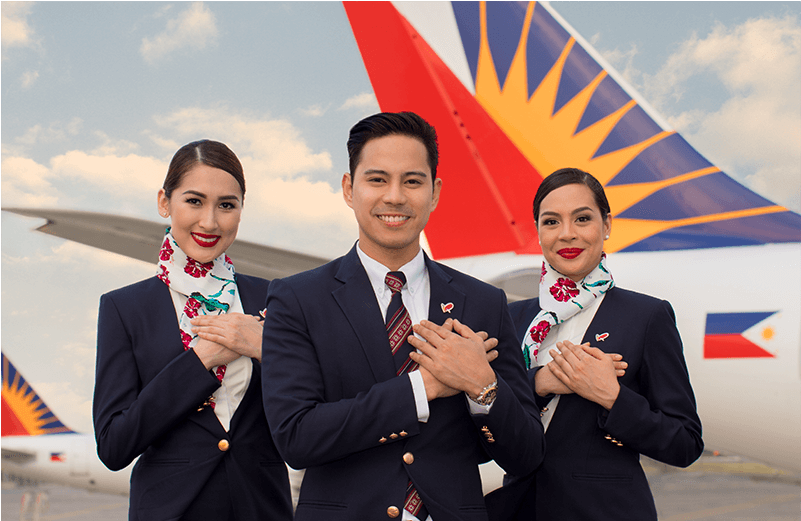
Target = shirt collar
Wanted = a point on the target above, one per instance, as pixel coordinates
(415, 271)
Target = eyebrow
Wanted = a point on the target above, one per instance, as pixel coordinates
(204, 196)
(417, 173)
(574, 212)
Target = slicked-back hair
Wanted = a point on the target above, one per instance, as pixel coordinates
(207, 152)
(571, 176)
(392, 123)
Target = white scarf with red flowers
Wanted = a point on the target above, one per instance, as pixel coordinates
(560, 299)
(210, 287)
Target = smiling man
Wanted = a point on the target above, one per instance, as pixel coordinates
(391, 424)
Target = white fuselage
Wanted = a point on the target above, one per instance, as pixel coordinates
(67, 459)
(750, 406)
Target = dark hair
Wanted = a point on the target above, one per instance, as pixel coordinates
(389, 123)
(211, 153)
(570, 176)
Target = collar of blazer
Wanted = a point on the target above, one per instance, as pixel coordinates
(358, 302)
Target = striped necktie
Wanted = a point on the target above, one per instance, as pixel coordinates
(399, 327)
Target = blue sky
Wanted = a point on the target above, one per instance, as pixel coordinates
(97, 96)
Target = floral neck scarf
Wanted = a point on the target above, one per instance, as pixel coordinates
(560, 299)
(210, 287)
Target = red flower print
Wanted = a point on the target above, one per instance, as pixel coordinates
(186, 339)
(543, 272)
(164, 275)
(228, 260)
(191, 307)
(197, 269)
(166, 250)
(564, 290)
(540, 331)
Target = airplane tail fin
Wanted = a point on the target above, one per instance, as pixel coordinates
(23, 411)
(515, 93)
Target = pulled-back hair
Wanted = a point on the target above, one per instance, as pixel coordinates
(570, 176)
(392, 123)
(207, 152)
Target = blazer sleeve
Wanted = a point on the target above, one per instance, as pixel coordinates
(309, 427)
(128, 415)
(514, 419)
(660, 421)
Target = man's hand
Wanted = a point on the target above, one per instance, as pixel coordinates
(456, 358)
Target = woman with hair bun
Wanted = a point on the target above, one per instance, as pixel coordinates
(599, 413)
(178, 374)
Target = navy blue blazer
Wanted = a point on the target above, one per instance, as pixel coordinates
(337, 408)
(147, 392)
(585, 475)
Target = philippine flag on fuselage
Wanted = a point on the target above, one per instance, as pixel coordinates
(57, 456)
(738, 335)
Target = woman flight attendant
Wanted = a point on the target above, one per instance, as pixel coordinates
(598, 418)
(178, 378)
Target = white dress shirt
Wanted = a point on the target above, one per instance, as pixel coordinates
(572, 329)
(235, 383)
(416, 295)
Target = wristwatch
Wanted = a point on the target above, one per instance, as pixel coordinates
(487, 394)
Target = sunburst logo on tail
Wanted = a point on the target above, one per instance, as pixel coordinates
(23, 412)
(552, 130)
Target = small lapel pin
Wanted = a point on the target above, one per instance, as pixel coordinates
(446, 308)
(601, 337)
(263, 313)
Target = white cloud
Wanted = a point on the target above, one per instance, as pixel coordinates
(755, 134)
(623, 61)
(193, 28)
(71, 406)
(29, 78)
(123, 178)
(111, 146)
(283, 207)
(365, 100)
(267, 148)
(15, 30)
(37, 134)
(26, 183)
(299, 215)
(314, 111)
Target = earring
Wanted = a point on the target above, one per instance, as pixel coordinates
(606, 237)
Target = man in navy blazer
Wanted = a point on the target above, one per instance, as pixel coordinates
(336, 404)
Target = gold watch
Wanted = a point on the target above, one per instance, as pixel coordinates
(487, 394)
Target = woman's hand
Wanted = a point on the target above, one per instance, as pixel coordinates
(213, 354)
(237, 332)
(587, 371)
(547, 383)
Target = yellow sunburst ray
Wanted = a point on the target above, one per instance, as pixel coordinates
(623, 197)
(629, 231)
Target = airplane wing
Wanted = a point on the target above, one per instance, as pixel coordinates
(16, 456)
(141, 239)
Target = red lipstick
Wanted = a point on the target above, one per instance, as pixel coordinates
(206, 241)
(570, 253)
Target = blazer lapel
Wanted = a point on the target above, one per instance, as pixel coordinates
(604, 317)
(446, 301)
(358, 302)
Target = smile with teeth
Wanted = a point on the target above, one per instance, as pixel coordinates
(207, 241)
(394, 219)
